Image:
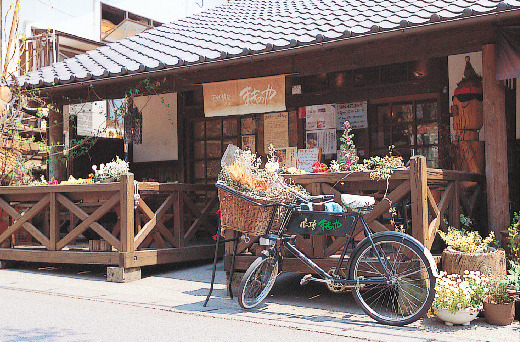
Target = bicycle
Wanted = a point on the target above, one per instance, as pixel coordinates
(391, 274)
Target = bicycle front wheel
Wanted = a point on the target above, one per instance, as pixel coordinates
(258, 281)
(409, 291)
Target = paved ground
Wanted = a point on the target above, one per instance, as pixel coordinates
(75, 303)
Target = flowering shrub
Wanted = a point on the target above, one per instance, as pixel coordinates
(455, 292)
(112, 170)
(319, 167)
(467, 241)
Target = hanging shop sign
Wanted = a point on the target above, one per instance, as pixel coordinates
(247, 96)
(91, 118)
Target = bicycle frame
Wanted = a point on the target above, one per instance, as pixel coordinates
(334, 277)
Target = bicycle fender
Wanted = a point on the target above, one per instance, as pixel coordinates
(409, 238)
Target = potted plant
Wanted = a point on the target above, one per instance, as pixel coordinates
(511, 238)
(468, 251)
(513, 282)
(458, 298)
(499, 308)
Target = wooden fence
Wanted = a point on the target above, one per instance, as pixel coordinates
(429, 200)
(171, 222)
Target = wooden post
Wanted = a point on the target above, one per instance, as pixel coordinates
(454, 208)
(178, 219)
(127, 212)
(419, 197)
(56, 142)
(495, 136)
(54, 219)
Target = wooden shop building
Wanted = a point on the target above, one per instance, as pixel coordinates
(253, 72)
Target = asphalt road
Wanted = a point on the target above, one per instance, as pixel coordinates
(75, 303)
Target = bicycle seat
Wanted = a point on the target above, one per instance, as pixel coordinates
(357, 202)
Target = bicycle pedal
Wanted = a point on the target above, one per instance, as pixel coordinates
(306, 279)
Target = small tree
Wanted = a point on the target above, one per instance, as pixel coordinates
(347, 156)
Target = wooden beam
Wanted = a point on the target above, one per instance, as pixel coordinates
(419, 198)
(56, 142)
(57, 257)
(454, 209)
(495, 136)
(166, 256)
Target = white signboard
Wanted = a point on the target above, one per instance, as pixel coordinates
(91, 118)
(355, 113)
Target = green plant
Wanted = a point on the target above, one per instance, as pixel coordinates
(497, 292)
(514, 238)
(513, 275)
(455, 292)
(383, 167)
(467, 241)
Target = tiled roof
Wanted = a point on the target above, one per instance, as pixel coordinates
(245, 27)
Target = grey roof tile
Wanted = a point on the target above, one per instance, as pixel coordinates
(244, 27)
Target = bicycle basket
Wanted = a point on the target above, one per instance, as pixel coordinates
(239, 214)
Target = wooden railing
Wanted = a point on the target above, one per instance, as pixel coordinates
(170, 222)
(431, 199)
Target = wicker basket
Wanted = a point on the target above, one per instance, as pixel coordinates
(243, 216)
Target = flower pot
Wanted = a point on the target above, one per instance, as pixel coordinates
(463, 316)
(499, 314)
(491, 264)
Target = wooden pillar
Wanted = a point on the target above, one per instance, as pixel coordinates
(56, 142)
(419, 198)
(495, 136)
(127, 212)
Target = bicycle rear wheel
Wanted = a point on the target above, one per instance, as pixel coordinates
(257, 281)
(410, 291)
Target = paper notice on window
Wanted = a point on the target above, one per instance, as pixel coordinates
(320, 117)
(286, 157)
(307, 157)
(276, 130)
(324, 139)
(355, 113)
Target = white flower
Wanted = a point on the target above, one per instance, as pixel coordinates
(94, 167)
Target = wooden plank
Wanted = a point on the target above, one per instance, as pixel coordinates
(154, 218)
(495, 137)
(166, 256)
(303, 245)
(432, 203)
(392, 198)
(127, 212)
(57, 257)
(72, 188)
(377, 226)
(329, 190)
(474, 198)
(88, 221)
(54, 217)
(21, 221)
(419, 199)
(335, 246)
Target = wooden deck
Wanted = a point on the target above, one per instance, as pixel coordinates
(171, 223)
(429, 200)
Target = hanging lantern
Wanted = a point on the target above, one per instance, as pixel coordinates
(133, 122)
